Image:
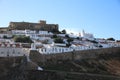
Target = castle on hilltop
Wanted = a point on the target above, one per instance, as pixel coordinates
(42, 25)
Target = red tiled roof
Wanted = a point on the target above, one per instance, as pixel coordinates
(10, 45)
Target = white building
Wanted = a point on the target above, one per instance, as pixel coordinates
(18, 32)
(11, 50)
(72, 35)
(86, 35)
(61, 35)
(5, 34)
(41, 35)
(45, 33)
(30, 31)
(52, 50)
(22, 32)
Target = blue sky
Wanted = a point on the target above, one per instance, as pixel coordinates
(100, 17)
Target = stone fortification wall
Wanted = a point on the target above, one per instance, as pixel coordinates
(33, 26)
(77, 55)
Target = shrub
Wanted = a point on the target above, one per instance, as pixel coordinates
(64, 31)
(111, 39)
(69, 40)
(5, 37)
(22, 39)
(58, 40)
(54, 36)
(67, 36)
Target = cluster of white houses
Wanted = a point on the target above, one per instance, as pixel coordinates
(10, 48)
(56, 49)
(51, 50)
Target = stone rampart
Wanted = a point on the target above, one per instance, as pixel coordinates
(35, 56)
(77, 55)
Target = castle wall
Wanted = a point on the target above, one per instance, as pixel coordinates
(33, 26)
(78, 55)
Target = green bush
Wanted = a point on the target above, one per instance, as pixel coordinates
(67, 36)
(69, 40)
(5, 37)
(22, 39)
(54, 36)
(58, 40)
(64, 31)
(111, 39)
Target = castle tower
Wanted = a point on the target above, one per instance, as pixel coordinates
(82, 33)
(42, 22)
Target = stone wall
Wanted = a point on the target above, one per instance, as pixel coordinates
(35, 56)
(76, 55)
(33, 26)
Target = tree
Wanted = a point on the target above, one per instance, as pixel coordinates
(118, 41)
(78, 38)
(45, 42)
(55, 36)
(69, 40)
(93, 41)
(22, 39)
(64, 31)
(58, 40)
(68, 45)
(100, 46)
(111, 39)
(67, 36)
(5, 37)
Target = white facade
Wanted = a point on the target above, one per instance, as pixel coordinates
(41, 35)
(6, 52)
(11, 50)
(61, 35)
(72, 35)
(30, 32)
(83, 47)
(45, 33)
(36, 37)
(7, 35)
(58, 44)
(86, 35)
(52, 50)
(55, 49)
(44, 38)
(32, 36)
(23, 32)
(18, 32)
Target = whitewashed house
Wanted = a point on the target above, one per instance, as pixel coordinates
(11, 50)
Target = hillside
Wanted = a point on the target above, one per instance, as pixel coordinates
(103, 64)
(103, 67)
